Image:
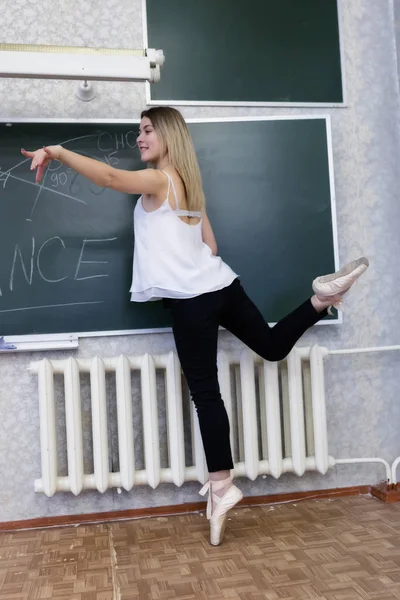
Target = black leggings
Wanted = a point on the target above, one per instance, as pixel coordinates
(195, 323)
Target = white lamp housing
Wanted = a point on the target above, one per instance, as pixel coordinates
(58, 62)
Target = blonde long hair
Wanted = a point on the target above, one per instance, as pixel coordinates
(175, 139)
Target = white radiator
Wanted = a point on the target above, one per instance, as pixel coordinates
(276, 411)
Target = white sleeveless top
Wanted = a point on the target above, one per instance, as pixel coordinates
(170, 258)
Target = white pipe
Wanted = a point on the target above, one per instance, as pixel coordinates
(394, 468)
(73, 421)
(143, 477)
(48, 438)
(126, 446)
(201, 473)
(273, 417)
(150, 420)
(159, 360)
(99, 423)
(249, 415)
(224, 379)
(296, 412)
(346, 461)
(319, 410)
(239, 411)
(176, 443)
(262, 411)
(63, 484)
(363, 350)
(283, 398)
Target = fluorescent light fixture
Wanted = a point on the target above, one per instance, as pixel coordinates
(88, 64)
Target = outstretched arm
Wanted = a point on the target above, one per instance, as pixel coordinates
(147, 181)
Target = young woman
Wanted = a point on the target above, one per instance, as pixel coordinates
(175, 259)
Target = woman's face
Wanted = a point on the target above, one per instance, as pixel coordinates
(148, 142)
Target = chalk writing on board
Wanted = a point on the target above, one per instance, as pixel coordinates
(111, 159)
(37, 196)
(58, 179)
(46, 188)
(34, 263)
(91, 262)
(9, 310)
(5, 175)
(107, 142)
(18, 253)
(42, 247)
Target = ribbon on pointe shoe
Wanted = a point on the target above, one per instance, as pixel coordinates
(203, 492)
(212, 487)
(338, 305)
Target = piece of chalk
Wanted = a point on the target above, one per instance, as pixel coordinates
(5, 346)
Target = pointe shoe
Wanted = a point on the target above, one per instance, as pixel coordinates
(333, 286)
(217, 510)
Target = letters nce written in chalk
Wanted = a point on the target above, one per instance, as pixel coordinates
(25, 267)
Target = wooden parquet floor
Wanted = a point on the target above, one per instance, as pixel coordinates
(342, 549)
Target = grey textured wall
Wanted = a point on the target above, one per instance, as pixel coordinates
(362, 391)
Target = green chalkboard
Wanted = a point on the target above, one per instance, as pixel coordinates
(66, 245)
(268, 51)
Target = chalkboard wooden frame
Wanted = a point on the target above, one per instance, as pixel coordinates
(70, 340)
(182, 102)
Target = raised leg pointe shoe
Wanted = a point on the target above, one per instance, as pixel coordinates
(217, 510)
(333, 286)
